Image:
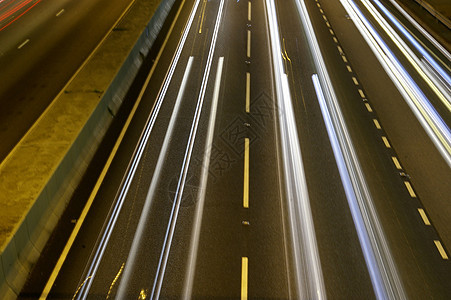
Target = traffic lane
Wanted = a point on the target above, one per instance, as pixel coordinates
(161, 204)
(56, 48)
(144, 273)
(410, 240)
(229, 231)
(344, 269)
(418, 156)
(72, 271)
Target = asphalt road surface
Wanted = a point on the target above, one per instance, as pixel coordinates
(42, 44)
(222, 189)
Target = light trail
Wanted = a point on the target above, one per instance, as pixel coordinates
(382, 270)
(197, 223)
(422, 30)
(377, 256)
(428, 117)
(156, 289)
(6, 15)
(409, 54)
(309, 277)
(133, 164)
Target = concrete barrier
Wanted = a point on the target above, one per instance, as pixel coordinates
(64, 154)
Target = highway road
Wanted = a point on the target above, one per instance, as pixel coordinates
(42, 44)
(258, 164)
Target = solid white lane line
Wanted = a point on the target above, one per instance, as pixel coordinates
(60, 12)
(440, 249)
(424, 216)
(244, 277)
(197, 223)
(248, 92)
(376, 123)
(410, 189)
(248, 43)
(386, 142)
(23, 44)
(246, 174)
(396, 162)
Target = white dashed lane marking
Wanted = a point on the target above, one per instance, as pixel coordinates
(23, 44)
(60, 12)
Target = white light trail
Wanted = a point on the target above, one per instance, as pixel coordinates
(143, 219)
(382, 270)
(186, 162)
(428, 117)
(422, 30)
(309, 277)
(133, 165)
(408, 53)
(189, 277)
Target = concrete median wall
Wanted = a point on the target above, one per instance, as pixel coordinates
(40, 175)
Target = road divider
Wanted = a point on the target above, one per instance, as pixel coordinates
(39, 176)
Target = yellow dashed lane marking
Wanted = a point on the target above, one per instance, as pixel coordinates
(440, 249)
(396, 162)
(424, 217)
(246, 174)
(244, 277)
(376, 123)
(410, 189)
(362, 94)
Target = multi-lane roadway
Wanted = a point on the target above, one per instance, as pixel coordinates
(260, 163)
(42, 44)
